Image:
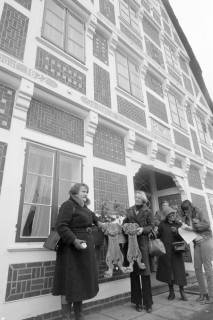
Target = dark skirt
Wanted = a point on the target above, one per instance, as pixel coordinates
(76, 274)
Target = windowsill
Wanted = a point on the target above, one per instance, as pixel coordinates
(25, 247)
(61, 53)
(129, 96)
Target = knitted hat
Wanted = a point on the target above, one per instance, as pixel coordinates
(168, 210)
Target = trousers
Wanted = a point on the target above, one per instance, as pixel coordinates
(141, 291)
(203, 257)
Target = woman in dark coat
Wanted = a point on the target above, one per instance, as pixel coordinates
(171, 267)
(141, 293)
(76, 271)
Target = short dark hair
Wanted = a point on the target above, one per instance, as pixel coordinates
(76, 187)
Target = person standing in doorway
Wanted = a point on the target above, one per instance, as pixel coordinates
(194, 220)
(160, 215)
(141, 293)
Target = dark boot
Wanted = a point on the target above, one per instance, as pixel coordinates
(77, 307)
(66, 311)
(171, 295)
(182, 294)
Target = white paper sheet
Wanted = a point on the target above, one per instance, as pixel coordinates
(187, 236)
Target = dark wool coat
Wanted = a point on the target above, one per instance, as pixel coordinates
(76, 270)
(145, 220)
(170, 265)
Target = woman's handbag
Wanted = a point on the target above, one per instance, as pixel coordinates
(98, 236)
(156, 246)
(52, 241)
(179, 246)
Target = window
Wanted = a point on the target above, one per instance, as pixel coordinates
(171, 57)
(128, 76)
(47, 178)
(128, 14)
(202, 129)
(64, 29)
(177, 112)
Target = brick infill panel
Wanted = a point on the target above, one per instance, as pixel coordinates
(59, 70)
(29, 279)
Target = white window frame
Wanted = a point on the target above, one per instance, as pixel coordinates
(131, 75)
(177, 111)
(77, 43)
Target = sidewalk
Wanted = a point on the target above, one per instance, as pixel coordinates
(162, 310)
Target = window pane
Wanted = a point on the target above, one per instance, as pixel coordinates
(69, 173)
(54, 23)
(38, 189)
(123, 83)
(75, 37)
(35, 221)
(38, 193)
(40, 162)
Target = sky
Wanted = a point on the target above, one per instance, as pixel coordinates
(195, 18)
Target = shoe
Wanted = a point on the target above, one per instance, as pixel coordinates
(171, 296)
(202, 297)
(149, 310)
(182, 295)
(139, 307)
(209, 301)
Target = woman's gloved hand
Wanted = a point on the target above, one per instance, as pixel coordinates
(79, 244)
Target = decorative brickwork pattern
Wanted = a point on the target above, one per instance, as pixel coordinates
(59, 70)
(55, 122)
(154, 84)
(154, 52)
(200, 202)
(157, 107)
(161, 156)
(13, 31)
(6, 106)
(108, 145)
(151, 31)
(107, 9)
(131, 111)
(3, 150)
(100, 47)
(174, 74)
(182, 140)
(102, 86)
(131, 36)
(29, 279)
(25, 3)
(195, 142)
(209, 180)
(160, 130)
(178, 163)
(187, 84)
(194, 177)
(156, 16)
(109, 187)
(208, 155)
(140, 148)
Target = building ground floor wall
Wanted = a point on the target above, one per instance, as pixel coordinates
(41, 157)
